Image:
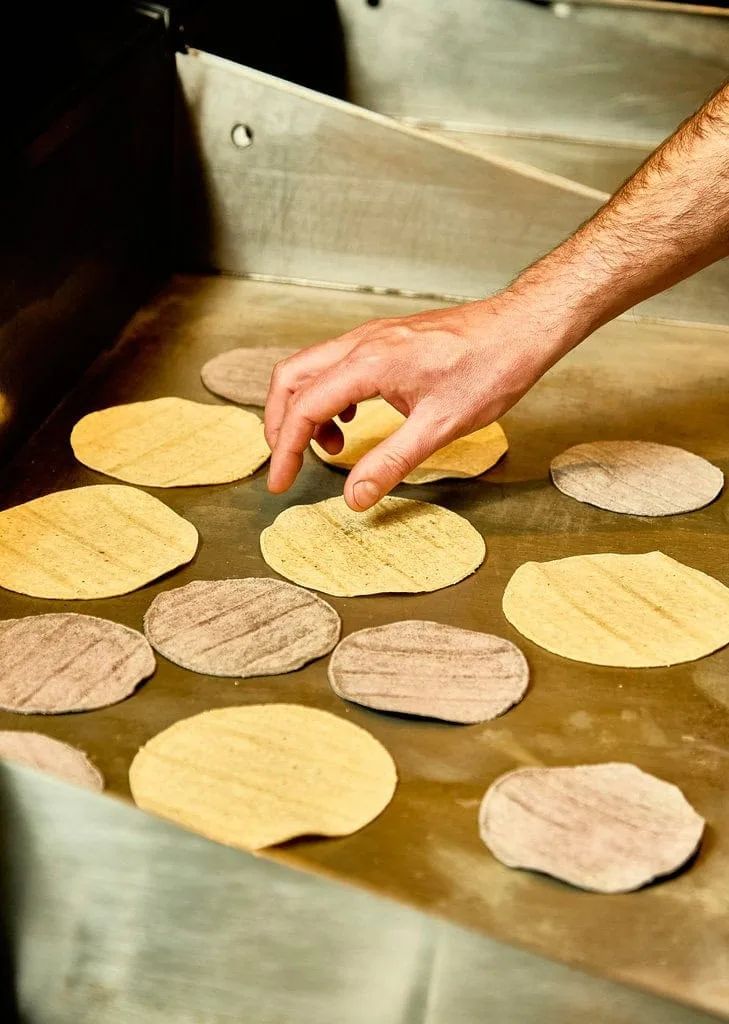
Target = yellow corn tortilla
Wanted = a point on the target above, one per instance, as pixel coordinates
(399, 546)
(171, 442)
(251, 777)
(91, 542)
(629, 611)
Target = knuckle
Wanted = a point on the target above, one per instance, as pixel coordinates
(372, 354)
(298, 403)
(301, 405)
(396, 463)
(280, 372)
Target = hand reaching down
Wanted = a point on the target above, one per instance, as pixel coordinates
(450, 371)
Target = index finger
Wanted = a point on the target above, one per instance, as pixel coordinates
(291, 374)
(344, 384)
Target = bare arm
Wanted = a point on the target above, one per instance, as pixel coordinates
(452, 371)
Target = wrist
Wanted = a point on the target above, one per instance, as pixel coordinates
(567, 295)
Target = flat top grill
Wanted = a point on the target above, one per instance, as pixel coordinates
(635, 379)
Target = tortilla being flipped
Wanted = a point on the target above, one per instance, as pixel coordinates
(376, 419)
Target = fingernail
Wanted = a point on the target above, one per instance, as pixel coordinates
(365, 494)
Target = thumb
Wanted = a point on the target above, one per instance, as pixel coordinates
(387, 464)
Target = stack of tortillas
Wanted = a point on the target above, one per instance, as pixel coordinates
(171, 442)
(91, 542)
(399, 546)
(256, 776)
(376, 420)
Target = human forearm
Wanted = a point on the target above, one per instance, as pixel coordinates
(452, 371)
(668, 221)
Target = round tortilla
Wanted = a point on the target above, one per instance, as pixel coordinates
(171, 442)
(628, 611)
(243, 374)
(91, 542)
(399, 546)
(603, 827)
(431, 670)
(35, 750)
(249, 627)
(637, 478)
(376, 419)
(255, 776)
(54, 663)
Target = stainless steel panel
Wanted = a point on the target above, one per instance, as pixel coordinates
(328, 192)
(117, 918)
(633, 379)
(510, 66)
(600, 166)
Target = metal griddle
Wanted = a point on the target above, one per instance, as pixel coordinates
(634, 379)
(209, 167)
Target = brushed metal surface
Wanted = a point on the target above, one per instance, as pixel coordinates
(633, 379)
(331, 193)
(601, 166)
(118, 918)
(505, 65)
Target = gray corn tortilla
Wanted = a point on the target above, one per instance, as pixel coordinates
(637, 478)
(55, 663)
(242, 375)
(44, 754)
(241, 627)
(603, 827)
(430, 670)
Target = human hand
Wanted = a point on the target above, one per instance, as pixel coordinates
(449, 371)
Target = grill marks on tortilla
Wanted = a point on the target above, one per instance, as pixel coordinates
(54, 663)
(637, 477)
(91, 542)
(243, 374)
(376, 420)
(34, 750)
(241, 627)
(399, 546)
(603, 827)
(171, 442)
(628, 611)
(431, 670)
(255, 776)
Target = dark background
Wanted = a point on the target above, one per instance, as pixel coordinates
(54, 52)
